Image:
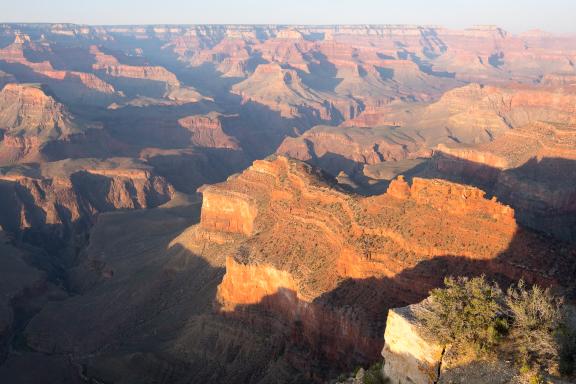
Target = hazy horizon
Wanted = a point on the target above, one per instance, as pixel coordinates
(556, 16)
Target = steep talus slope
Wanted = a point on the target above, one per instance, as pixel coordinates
(128, 279)
(156, 299)
(48, 203)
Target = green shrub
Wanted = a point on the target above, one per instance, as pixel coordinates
(475, 313)
(536, 315)
(466, 312)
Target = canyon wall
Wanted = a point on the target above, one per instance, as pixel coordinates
(284, 275)
(530, 168)
(327, 264)
(51, 200)
(338, 149)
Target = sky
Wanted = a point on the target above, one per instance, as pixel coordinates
(513, 15)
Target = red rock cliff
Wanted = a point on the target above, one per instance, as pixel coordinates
(327, 263)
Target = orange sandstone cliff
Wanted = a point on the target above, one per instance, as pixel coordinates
(327, 264)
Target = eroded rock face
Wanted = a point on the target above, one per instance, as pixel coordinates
(74, 85)
(232, 56)
(36, 127)
(328, 264)
(28, 111)
(227, 212)
(252, 284)
(207, 131)
(516, 106)
(410, 356)
(112, 67)
(473, 121)
(145, 80)
(337, 149)
(476, 114)
(531, 168)
(52, 199)
(284, 91)
(308, 287)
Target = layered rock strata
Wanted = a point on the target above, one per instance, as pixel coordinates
(54, 198)
(299, 248)
(530, 168)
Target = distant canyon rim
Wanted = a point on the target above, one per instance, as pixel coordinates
(244, 204)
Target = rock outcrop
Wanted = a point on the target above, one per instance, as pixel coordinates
(228, 211)
(207, 131)
(328, 264)
(28, 110)
(410, 355)
(75, 86)
(337, 149)
(283, 90)
(112, 67)
(530, 168)
(37, 127)
(53, 200)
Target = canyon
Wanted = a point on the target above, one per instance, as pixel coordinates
(256, 204)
